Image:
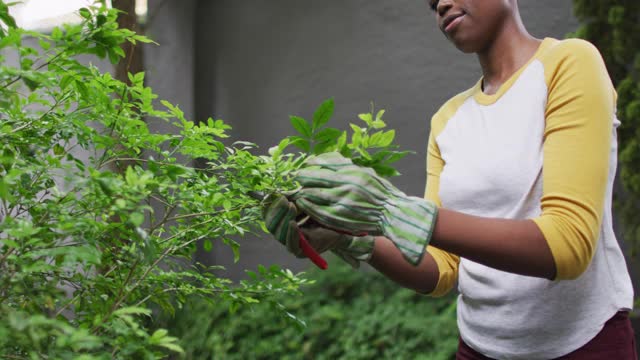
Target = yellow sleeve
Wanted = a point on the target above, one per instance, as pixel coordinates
(447, 262)
(577, 140)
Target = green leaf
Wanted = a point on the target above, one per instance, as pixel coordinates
(132, 310)
(385, 170)
(378, 124)
(82, 89)
(276, 151)
(56, 33)
(367, 118)
(4, 190)
(158, 336)
(235, 247)
(226, 204)
(7, 19)
(113, 56)
(31, 83)
(395, 156)
(136, 219)
(26, 63)
(301, 125)
(65, 81)
(173, 347)
(85, 13)
(58, 149)
(324, 147)
(143, 39)
(328, 134)
(207, 245)
(100, 20)
(12, 38)
(342, 141)
(356, 128)
(301, 143)
(323, 114)
(387, 138)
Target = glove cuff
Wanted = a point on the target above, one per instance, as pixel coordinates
(409, 222)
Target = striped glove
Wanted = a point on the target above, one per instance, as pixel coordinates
(348, 198)
(280, 216)
(351, 249)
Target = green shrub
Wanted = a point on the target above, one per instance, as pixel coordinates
(100, 214)
(348, 314)
(614, 27)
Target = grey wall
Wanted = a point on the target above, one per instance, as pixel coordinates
(170, 67)
(258, 61)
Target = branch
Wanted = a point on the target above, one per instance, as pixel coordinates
(214, 291)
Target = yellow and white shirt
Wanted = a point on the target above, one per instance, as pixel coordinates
(544, 148)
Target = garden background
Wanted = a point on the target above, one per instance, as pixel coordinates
(254, 63)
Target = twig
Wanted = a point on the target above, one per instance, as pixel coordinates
(81, 292)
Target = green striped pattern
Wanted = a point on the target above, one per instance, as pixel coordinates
(357, 250)
(351, 249)
(279, 216)
(342, 196)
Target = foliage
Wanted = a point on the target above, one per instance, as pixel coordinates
(99, 215)
(614, 27)
(370, 146)
(349, 314)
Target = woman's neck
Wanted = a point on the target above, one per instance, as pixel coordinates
(510, 49)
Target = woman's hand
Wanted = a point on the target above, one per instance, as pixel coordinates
(348, 198)
(281, 219)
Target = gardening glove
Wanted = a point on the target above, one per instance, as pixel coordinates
(351, 249)
(345, 197)
(279, 215)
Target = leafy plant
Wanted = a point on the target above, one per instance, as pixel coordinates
(369, 146)
(349, 315)
(614, 27)
(100, 215)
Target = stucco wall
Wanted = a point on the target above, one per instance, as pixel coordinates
(260, 61)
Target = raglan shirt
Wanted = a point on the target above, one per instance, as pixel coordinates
(543, 148)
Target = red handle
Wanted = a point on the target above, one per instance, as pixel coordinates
(311, 253)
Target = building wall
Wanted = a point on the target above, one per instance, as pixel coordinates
(170, 65)
(257, 62)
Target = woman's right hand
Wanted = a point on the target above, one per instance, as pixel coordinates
(280, 216)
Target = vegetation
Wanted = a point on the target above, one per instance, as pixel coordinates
(100, 215)
(614, 27)
(349, 315)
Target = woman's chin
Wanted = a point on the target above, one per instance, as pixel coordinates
(465, 45)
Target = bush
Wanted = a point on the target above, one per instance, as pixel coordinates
(614, 27)
(349, 315)
(100, 215)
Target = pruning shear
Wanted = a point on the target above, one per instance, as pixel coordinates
(306, 248)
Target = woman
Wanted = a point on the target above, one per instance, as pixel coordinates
(517, 205)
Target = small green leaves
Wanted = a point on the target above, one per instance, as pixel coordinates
(160, 338)
(314, 138)
(56, 34)
(369, 146)
(301, 126)
(207, 245)
(85, 13)
(322, 114)
(326, 139)
(136, 219)
(6, 18)
(98, 202)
